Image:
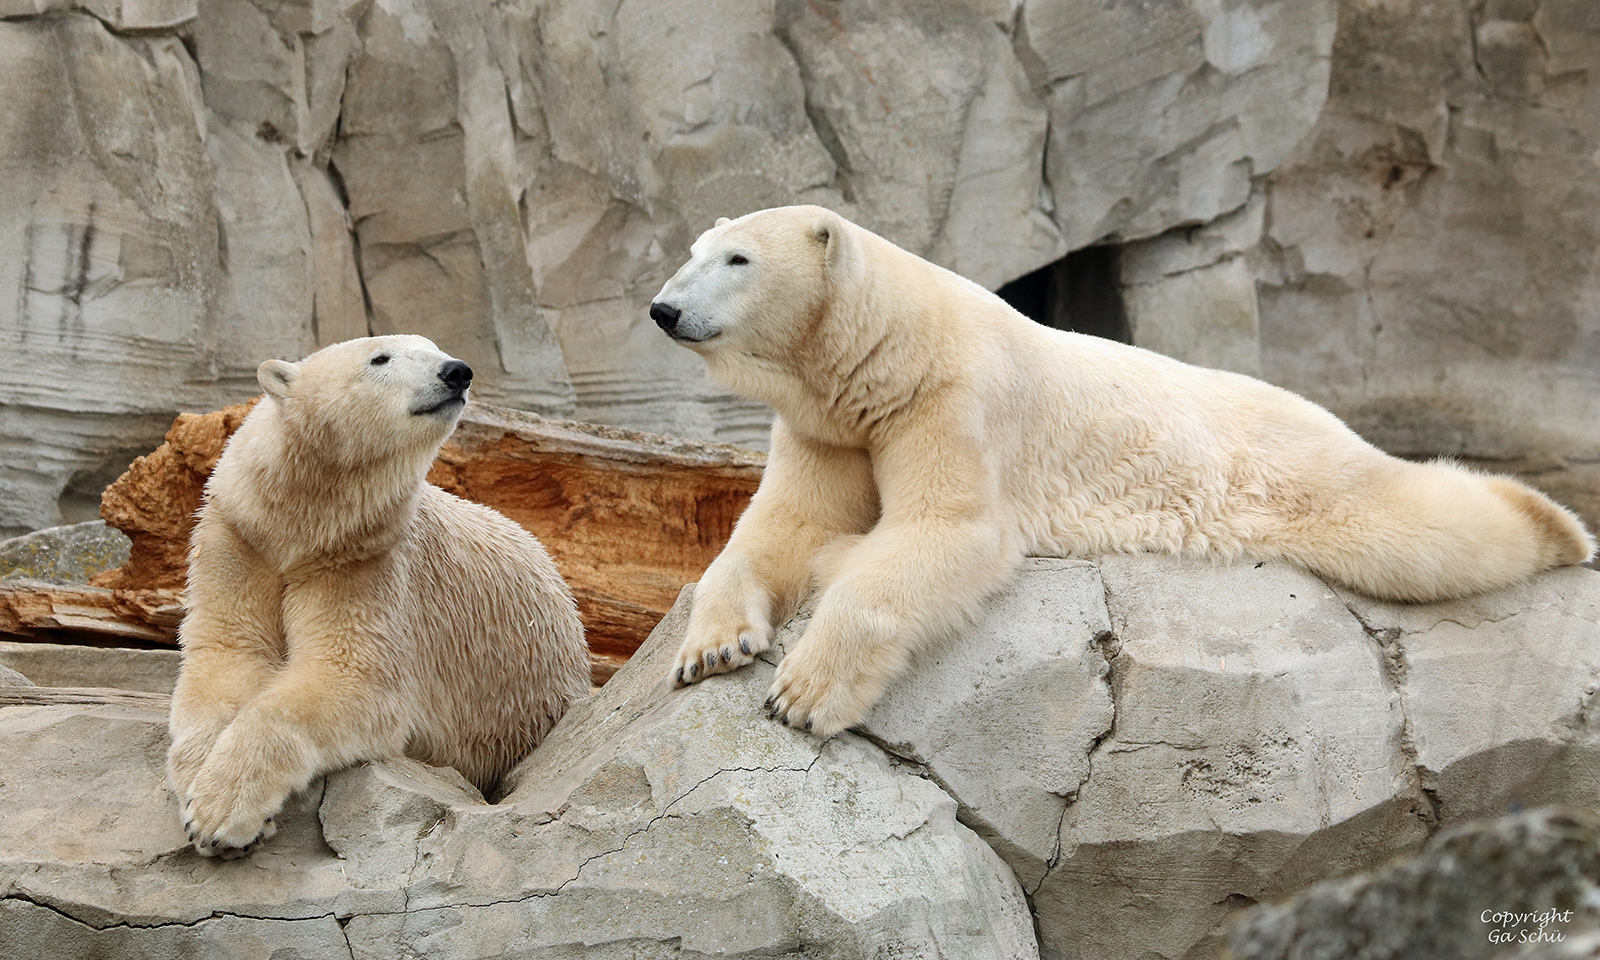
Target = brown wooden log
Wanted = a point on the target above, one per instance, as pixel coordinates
(35, 608)
(629, 518)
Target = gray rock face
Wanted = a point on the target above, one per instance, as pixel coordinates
(69, 665)
(1527, 733)
(1040, 652)
(1429, 270)
(1483, 890)
(517, 180)
(1201, 737)
(1162, 113)
(1257, 746)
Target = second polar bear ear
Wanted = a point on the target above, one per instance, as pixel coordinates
(841, 256)
(277, 376)
(722, 220)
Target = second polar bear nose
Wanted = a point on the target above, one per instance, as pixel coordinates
(456, 374)
(665, 316)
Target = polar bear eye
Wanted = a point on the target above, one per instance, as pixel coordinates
(380, 360)
(738, 260)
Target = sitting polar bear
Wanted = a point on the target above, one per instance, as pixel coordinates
(341, 609)
(928, 437)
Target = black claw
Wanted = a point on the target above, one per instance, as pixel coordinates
(808, 725)
(727, 654)
(711, 659)
(768, 704)
(678, 678)
(694, 670)
(744, 644)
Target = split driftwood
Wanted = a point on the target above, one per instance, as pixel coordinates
(629, 518)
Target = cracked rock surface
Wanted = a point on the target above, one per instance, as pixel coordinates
(1114, 761)
(1200, 737)
(652, 823)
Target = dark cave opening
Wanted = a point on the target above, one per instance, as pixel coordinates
(1080, 292)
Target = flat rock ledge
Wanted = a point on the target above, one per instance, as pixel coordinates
(1118, 759)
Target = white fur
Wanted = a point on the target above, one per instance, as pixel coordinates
(928, 437)
(342, 609)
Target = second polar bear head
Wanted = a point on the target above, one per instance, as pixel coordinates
(367, 400)
(758, 287)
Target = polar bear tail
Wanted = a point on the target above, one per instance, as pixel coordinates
(1436, 531)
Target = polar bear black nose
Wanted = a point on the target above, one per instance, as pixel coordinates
(665, 316)
(456, 374)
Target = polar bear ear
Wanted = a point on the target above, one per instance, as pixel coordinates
(277, 376)
(841, 256)
(722, 220)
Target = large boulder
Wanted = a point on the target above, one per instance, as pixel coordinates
(1135, 748)
(1153, 744)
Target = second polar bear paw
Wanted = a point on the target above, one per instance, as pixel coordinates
(817, 700)
(705, 652)
(222, 823)
(226, 846)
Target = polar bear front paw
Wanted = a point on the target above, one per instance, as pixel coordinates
(222, 822)
(816, 698)
(705, 652)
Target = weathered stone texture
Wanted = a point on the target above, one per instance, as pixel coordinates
(1162, 113)
(1257, 746)
(71, 665)
(64, 554)
(1039, 652)
(1431, 271)
(1146, 745)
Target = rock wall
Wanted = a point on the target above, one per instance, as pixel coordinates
(1431, 263)
(191, 186)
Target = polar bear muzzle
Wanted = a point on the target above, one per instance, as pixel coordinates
(665, 315)
(451, 393)
(685, 330)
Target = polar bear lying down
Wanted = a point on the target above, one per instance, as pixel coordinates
(928, 437)
(342, 609)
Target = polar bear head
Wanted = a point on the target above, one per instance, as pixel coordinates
(367, 400)
(759, 289)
